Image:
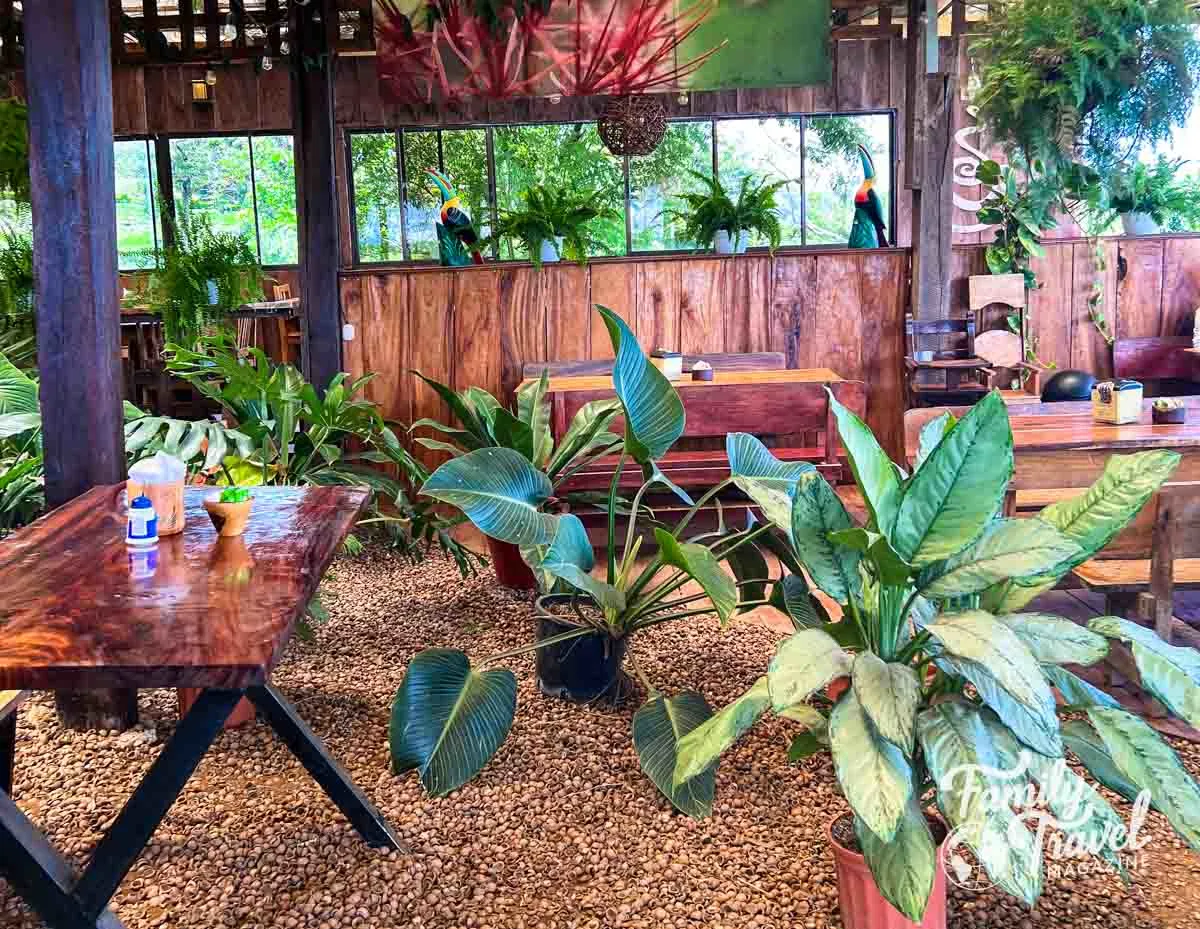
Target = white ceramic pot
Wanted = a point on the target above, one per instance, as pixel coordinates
(213, 294)
(551, 250)
(1139, 224)
(743, 241)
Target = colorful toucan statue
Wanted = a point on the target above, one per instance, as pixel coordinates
(456, 236)
(868, 230)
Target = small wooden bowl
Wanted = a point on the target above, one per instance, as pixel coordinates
(704, 374)
(1168, 417)
(229, 519)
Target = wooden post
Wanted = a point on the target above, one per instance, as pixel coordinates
(933, 202)
(316, 191)
(68, 77)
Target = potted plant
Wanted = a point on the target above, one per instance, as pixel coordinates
(485, 423)
(1021, 218)
(1150, 198)
(601, 614)
(1168, 411)
(229, 510)
(553, 223)
(934, 686)
(713, 219)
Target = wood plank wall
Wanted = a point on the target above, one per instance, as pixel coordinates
(1151, 287)
(479, 326)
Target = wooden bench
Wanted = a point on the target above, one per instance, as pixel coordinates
(1161, 363)
(9, 701)
(720, 361)
(788, 409)
(1158, 553)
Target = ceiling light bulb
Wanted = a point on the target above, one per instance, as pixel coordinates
(210, 77)
(267, 63)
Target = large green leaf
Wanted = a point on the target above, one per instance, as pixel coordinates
(993, 658)
(889, 694)
(12, 424)
(1053, 640)
(567, 554)
(510, 432)
(959, 488)
(1147, 762)
(931, 435)
(1075, 690)
(701, 565)
(699, 750)
(654, 416)
(18, 391)
(588, 434)
(1170, 672)
(763, 478)
(1086, 745)
(657, 728)
(1078, 809)
(873, 773)
(448, 720)
(750, 570)
(1091, 520)
(904, 867)
(890, 568)
(1007, 548)
(792, 597)
(816, 512)
(534, 411)
(961, 757)
(499, 491)
(804, 663)
(872, 468)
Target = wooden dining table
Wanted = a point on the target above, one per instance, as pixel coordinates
(80, 610)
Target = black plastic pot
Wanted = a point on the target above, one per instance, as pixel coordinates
(584, 669)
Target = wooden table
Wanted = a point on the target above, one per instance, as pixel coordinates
(79, 611)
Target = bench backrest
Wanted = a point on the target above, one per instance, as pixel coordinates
(1154, 359)
(720, 361)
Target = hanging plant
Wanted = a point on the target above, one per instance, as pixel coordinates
(1093, 79)
(14, 149)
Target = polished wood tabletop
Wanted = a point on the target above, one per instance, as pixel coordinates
(80, 609)
(593, 382)
(1082, 431)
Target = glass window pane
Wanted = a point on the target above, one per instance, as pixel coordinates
(768, 149)
(376, 196)
(421, 200)
(564, 156)
(834, 172)
(657, 180)
(275, 190)
(136, 213)
(212, 179)
(464, 159)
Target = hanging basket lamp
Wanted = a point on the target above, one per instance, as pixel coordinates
(632, 125)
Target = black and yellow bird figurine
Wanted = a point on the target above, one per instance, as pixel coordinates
(868, 230)
(457, 240)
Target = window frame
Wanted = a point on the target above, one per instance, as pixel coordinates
(162, 201)
(156, 218)
(630, 252)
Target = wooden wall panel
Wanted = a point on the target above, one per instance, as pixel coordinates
(1048, 304)
(1140, 292)
(884, 292)
(476, 311)
(834, 337)
(705, 305)
(431, 328)
(747, 307)
(793, 307)
(565, 298)
(522, 327)
(1089, 350)
(1181, 285)
(658, 303)
(614, 286)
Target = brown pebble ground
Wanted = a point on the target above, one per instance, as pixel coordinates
(560, 830)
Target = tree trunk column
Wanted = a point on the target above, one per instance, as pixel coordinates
(68, 75)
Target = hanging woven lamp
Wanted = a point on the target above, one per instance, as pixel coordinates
(632, 125)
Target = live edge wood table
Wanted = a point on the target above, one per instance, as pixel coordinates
(78, 612)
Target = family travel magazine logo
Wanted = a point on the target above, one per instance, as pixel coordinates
(1050, 812)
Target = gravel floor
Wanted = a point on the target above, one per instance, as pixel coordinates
(561, 829)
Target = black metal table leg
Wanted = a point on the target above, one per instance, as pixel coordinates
(40, 876)
(8, 751)
(305, 745)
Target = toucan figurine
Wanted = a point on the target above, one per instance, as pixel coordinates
(868, 230)
(456, 236)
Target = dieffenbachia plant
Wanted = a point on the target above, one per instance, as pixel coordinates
(934, 680)
(450, 717)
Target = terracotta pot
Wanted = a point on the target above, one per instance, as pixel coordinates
(243, 713)
(861, 904)
(511, 570)
(229, 519)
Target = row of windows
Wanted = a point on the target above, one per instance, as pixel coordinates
(396, 207)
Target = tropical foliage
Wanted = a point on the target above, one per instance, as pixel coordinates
(449, 716)
(293, 436)
(1095, 79)
(934, 672)
(548, 213)
(1021, 217)
(713, 210)
(1161, 190)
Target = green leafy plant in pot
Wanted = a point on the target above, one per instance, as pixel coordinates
(450, 717)
(1152, 197)
(484, 422)
(713, 219)
(934, 681)
(553, 223)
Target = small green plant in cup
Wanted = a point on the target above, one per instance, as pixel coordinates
(235, 495)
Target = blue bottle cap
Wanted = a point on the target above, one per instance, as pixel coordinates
(142, 503)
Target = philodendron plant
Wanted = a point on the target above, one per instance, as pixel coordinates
(450, 717)
(484, 422)
(934, 682)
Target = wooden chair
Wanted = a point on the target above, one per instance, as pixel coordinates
(10, 700)
(1158, 553)
(942, 365)
(721, 361)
